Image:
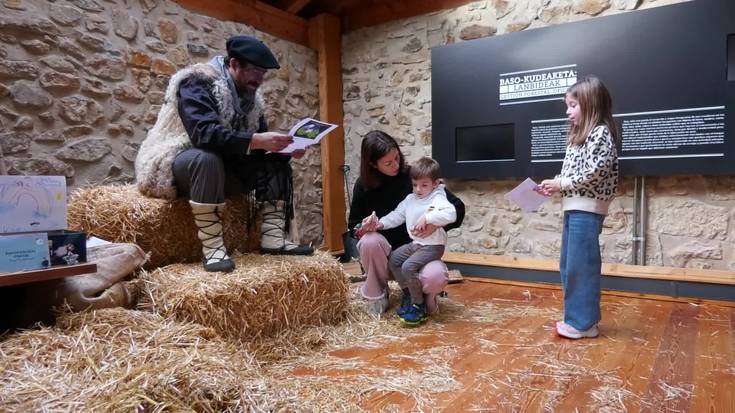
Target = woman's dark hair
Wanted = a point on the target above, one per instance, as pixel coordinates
(376, 145)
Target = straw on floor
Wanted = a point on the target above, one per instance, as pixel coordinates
(126, 361)
(264, 295)
(118, 360)
(119, 213)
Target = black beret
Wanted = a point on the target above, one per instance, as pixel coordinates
(251, 50)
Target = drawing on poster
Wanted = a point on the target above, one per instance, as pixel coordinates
(32, 203)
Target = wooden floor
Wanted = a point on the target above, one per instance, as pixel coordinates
(502, 355)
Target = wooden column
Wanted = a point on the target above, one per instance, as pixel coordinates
(325, 36)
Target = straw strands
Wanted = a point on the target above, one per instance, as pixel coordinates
(360, 329)
(675, 392)
(345, 389)
(357, 328)
(165, 228)
(304, 361)
(496, 311)
(117, 360)
(120, 360)
(314, 357)
(265, 294)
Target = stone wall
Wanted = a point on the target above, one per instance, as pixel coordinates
(387, 86)
(81, 81)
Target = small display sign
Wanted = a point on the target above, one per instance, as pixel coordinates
(21, 252)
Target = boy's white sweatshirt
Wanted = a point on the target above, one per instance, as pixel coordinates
(435, 206)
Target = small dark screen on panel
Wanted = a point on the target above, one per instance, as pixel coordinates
(672, 86)
(485, 143)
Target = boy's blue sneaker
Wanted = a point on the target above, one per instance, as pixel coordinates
(405, 303)
(415, 315)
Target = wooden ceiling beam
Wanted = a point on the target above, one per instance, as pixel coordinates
(257, 14)
(374, 14)
(342, 7)
(295, 6)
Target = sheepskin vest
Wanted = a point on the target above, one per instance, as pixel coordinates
(154, 163)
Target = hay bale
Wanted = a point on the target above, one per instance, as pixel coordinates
(117, 360)
(264, 295)
(163, 228)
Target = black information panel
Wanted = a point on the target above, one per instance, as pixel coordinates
(498, 108)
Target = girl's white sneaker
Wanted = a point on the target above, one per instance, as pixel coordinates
(565, 330)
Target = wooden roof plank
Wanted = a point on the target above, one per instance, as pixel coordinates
(258, 14)
(295, 6)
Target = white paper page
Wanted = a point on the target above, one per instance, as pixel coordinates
(94, 241)
(307, 132)
(526, 197)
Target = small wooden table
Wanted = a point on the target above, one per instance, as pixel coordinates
(51, 273)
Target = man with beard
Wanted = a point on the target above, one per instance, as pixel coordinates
(210, 140)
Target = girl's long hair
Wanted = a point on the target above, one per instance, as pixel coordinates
(376, 145)
(596, 108)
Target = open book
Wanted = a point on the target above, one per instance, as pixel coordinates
(307, 132)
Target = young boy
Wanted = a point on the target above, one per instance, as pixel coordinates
(426, 205)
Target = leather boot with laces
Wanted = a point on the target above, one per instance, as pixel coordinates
(273, 239)
(208, 220)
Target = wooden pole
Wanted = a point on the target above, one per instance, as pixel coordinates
(326, 38)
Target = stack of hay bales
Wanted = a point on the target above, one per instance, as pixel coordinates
(117, 360)
(164, 228)
(181, 349)
(186, 354)
(264, 295)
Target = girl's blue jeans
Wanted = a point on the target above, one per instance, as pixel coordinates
(580, 265)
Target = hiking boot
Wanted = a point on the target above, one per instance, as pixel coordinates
(415, 315)
(565, 330)
(405, 303)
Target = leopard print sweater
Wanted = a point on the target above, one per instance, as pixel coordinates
(589, 175)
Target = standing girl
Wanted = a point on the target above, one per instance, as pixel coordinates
(588, 182)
